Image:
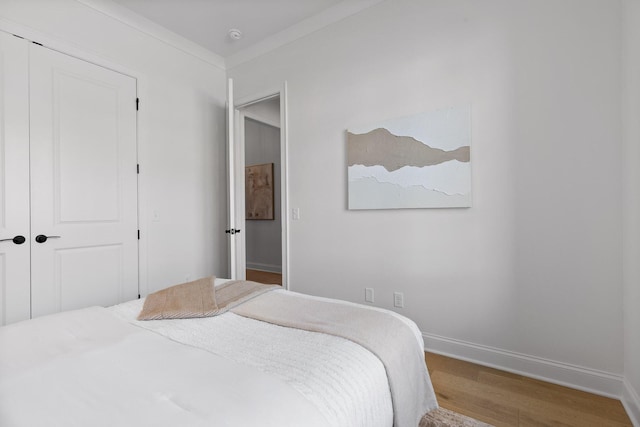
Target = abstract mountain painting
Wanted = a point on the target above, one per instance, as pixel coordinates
(420, 161)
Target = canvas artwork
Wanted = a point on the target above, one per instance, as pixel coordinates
(420, 161)
(259, 191)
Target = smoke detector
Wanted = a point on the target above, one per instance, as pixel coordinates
(235, 34)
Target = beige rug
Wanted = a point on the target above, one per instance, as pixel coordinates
(445, 418)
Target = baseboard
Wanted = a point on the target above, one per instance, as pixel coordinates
(577, 377)
(631, 402)
(264, 267)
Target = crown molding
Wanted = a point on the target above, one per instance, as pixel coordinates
(310, 25)
(154, 30)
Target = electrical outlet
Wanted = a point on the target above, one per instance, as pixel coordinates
(368, 294)
(398, 299)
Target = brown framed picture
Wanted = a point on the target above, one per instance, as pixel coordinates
(258, 180)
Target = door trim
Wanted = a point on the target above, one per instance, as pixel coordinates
(284, 171)
(64, 47)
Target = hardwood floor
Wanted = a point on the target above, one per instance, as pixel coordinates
(264, 277)
(504, 399)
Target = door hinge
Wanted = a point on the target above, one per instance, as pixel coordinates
(138, 296)
(39, 44)
(138, 234)
(137, 104)
(138, 168)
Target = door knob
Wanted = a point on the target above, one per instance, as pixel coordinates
(41, 238)
(18, 240)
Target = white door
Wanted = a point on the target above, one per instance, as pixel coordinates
(14, 179)
(231, 179)
(235, 177)
(84, 242)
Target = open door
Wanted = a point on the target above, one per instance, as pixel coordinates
(231, 188)
(235, 198)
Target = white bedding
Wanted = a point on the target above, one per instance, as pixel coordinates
(88, 368)
(324, 379)
(346, 382)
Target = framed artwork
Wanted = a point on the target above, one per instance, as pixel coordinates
(259, 196)
(420, 161)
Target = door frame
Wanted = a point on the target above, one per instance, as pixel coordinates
(142, 91)
(239, 164)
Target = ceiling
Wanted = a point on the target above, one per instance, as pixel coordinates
(207, 22)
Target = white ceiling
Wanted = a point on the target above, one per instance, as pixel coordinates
(207, 22)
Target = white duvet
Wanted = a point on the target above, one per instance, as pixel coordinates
(88, 368)
(131, 374)
(346, 382)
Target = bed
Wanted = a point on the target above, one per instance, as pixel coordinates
(103, 367)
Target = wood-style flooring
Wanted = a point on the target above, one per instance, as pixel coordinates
(504, 399)
(265, 277)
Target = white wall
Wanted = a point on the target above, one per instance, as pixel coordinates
(631, 211)
(267, 111)
(264, 237)
(180, 132)
(530, 277)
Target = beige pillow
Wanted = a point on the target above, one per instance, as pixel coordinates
(184, 301)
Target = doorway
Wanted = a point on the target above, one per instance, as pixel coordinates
(260, 252)
(263, 195)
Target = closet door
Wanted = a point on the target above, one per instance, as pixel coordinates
(14, 179)
(84, 247)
